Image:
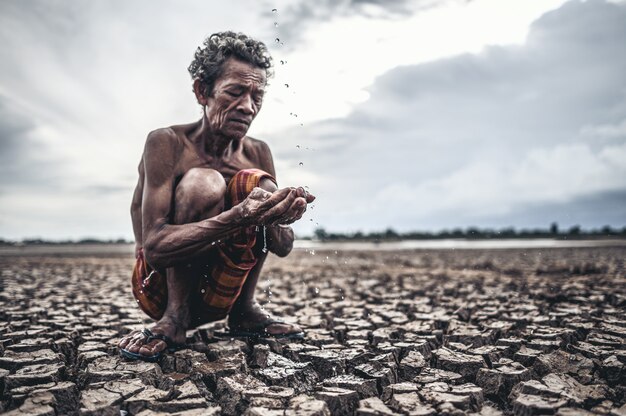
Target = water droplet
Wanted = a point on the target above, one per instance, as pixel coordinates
(301, 164)
(283, 62)
(311, 206)
(317, 290)
(301, 124)
(203, 290)
(275, 24)
(274, 10)
(287, 85)
(297, 146)
(277, 40)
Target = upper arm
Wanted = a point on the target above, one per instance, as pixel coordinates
(159, 160)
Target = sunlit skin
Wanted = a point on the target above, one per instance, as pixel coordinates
(178, 204)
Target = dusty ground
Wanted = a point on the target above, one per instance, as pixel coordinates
(412, 332)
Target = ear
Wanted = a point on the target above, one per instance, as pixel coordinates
(198, 90)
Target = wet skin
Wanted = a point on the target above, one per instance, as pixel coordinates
(178, 204)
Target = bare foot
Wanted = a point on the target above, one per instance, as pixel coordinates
(251, 316)
(135, 342)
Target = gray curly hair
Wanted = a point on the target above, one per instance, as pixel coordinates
(208, 61)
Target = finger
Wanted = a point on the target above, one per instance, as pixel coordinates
(259, 194)
(278, 210)
(294, 213)
(302, 192)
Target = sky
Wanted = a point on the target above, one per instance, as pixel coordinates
(415, 115)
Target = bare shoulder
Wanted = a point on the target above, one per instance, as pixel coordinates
(161, 155)
(162, 142)
(259, 151)
(255, 145)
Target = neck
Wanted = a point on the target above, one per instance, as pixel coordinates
(214, 144)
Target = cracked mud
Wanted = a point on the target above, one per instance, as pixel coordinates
(422, 332)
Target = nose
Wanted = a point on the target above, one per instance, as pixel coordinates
(246, 105)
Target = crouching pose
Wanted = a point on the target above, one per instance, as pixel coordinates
(207, 208)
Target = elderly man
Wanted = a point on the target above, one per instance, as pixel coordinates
(207, 208)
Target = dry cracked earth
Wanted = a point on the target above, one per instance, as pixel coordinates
(412, 332)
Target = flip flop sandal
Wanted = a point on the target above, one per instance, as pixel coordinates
(149, 336)
(260, 331)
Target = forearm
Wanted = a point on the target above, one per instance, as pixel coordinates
(168, 244)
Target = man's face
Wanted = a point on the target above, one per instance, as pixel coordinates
(236, 99)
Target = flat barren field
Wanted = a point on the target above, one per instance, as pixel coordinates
(423, 332)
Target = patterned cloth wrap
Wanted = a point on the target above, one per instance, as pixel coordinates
(227, 266)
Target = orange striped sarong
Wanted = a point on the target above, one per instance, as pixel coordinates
(226, 271)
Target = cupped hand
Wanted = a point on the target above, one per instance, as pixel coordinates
(285, 206)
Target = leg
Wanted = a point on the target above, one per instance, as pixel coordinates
(200, 194)
(246, 312)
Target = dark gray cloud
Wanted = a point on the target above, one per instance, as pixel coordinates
(594, 211)
(298, 16)
(481, 136)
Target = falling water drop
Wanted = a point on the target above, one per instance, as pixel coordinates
(287, 85)
(274, 10)
(297, 146)
(277, 40)
(275, 24)
(301, 164)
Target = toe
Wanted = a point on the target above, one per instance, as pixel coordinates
(152, 348)
(135, 345)
(128, 339)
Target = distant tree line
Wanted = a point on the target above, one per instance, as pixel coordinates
(474, 233)
(471, 233)
(39, 241)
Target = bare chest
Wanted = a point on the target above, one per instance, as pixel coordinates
(228, 167)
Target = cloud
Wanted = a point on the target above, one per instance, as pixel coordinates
(297, 16)
(477, 137)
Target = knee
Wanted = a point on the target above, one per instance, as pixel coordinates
(201, 187)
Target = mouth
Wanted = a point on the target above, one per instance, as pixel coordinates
(240, 121)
